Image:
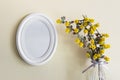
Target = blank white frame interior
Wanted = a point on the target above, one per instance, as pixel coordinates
(36, 39)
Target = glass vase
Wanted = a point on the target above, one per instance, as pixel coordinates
(98, 72)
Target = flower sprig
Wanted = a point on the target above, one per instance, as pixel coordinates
(91, 39)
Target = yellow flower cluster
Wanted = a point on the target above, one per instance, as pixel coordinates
(96, 25)
(92, 39)
(102, 51)
(67, 23)
(92, 44)
(88, 20)
(96, 56)
(107, 59)
(76, 21)
(106, 46)
(86, 31)
(59, 21)
(67, 30)
(102, 40)
(85, 24)
(105, 35)
(76, 30)
(78, 41)
(81, 26)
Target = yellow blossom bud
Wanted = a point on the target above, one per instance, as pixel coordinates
(102, 51)
(85, 31)
(76, 30)
(101, 42)
(81, 26)
(86, 19)
(105, 35)
(92, 46)
(95, 56)
(58, 21)
(81, 44)
(97, 25)
(67, 23)
(67, 30)
(106, 46)
(94, 28)
(98, 55)
(85, 24)
(107, 59)
(77, 40)
(91, 20)
(102, 39)
(92, 41)
(92, 31)
(88, 55)
(76, 21)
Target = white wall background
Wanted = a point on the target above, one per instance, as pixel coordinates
(69, 60)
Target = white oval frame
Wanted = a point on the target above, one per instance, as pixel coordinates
(18, 41)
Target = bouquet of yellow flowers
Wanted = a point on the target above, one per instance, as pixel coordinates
(88, 37)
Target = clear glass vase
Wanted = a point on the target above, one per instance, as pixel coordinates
(98, 72)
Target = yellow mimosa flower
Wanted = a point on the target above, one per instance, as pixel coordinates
(85, 31)
(81, 44)
(88, 55)
(92, 41)
(92, 46)
(101, 42)
(94, 28)
(67, 30)
(102, 39)
(85, 24)
(102, 51)
(95, 56)
(98, 55)
(76, 21)
(105, 35)
(91, 20)
(92, 31)
(106, 46)
(86, 19)
(77, 40)
(76, 30)
(67, 23)
(107, 59)
(88, 37)
(81, 26)
(97, 25)
(58, 21)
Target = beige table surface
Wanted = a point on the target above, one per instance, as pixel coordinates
(69, 60)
